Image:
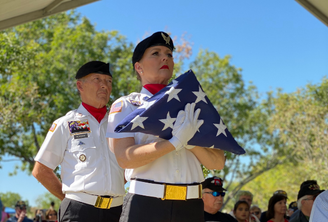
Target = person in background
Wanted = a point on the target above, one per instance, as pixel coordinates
(164, 175)
(248, 197)
(5, 216)
(92, 185)
(213, 197)
(39, 216)
(20, 213)
(279, 193)
(256, 211)
(308, 191)
(277, 209)
(51, 214)
(241, 211)
(291, 209)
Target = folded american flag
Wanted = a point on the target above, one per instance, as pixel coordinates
(158, 113)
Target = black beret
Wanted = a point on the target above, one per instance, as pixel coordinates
(213, 183)
(158, 38)
(93, 67)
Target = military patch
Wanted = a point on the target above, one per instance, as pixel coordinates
(79, 126)
(53, 127)
(82, 157)
(116, 108)
(135, 102)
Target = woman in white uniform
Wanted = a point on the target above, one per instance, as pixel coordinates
(164, 175)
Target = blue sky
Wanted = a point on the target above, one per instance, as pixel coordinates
(278, 44)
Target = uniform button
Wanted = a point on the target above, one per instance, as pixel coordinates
(177, 153)
(177, 171)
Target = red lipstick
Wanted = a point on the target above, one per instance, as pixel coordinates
(164, 67)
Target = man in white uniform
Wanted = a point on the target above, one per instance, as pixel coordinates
(165, 175)
(92, 186)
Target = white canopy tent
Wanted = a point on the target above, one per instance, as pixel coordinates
(319, 8)
(16, 12)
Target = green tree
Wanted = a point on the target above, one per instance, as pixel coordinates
(9, 199)
(301, 121)
(43, 201)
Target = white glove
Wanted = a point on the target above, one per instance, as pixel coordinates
(185, 126)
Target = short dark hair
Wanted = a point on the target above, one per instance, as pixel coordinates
(273, 200)
(238, 203)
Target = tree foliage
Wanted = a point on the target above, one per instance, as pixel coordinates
(44, 201)
(301, 122)
(9, 199)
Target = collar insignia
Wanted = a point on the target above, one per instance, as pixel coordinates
(166, 38)
(135, 102)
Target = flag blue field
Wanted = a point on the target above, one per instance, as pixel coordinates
(158, 113)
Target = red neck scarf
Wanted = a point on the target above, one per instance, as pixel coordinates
(97, 113)
(154, 88)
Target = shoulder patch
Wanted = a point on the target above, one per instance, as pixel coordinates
(53, 127)
(116, 107)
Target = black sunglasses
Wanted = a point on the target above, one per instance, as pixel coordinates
(215, 193)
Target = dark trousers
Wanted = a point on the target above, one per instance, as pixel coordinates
(137, 208)
(75, 211)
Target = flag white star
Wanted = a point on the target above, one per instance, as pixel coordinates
(138, 121)
(221, 128)
(168, 122)
(200, 95)
(173, 94)
(174, 83)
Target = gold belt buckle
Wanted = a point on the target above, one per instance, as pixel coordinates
(103, 202)
(172, 192)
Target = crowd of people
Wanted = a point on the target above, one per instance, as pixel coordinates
(166, 177)
(305, 209)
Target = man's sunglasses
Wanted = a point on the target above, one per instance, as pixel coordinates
(215, 193)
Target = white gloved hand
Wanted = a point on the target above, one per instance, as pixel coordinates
(185, 127)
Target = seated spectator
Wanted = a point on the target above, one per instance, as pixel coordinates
(291, 209)
(277, 209)
(256, 211)
(51, 215)
(20, 213)
(319, 210)
(279, 193)
(213, 196)
(241, 211)
(248, 197)
(308, 191)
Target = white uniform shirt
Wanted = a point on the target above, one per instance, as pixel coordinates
(175, 167)
(87, 165)
(319, 212)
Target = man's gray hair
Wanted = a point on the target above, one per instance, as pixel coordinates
(243, 193)
(299, 201)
